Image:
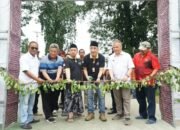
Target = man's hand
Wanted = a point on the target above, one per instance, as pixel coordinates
(51, 81)
(125, 78)
(40, 81)
(113, 80)
(98, 80)
(69, 80)
(57, 80)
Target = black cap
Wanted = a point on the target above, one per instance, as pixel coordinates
(94, 43)
(73, 46)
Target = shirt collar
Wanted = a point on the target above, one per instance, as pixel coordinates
(29, 54)
(148, 53)
(50, 57)
(97, 56)
(74, 59)
(122, 53)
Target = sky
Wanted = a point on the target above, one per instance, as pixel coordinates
(83, 36)
(32, 31)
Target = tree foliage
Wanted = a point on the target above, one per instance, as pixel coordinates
(28, 10)
(130, 22)
(57, 19)
(24, 45)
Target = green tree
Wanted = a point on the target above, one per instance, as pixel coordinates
(28, 9)
(24, 45)
(131, 22)
(58, 20)
(128, 21)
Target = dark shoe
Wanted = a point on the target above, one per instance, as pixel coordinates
(127, 121)
(150, 121)
(117, 117)
(112, 112)
(51, 120)
(140, 117)
(89, 117)
(26, 126)
(102, 117)
(34, 121)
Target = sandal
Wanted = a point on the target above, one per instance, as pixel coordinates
(70, 117)
(70, 120)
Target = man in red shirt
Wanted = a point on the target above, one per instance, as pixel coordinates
(146, 67)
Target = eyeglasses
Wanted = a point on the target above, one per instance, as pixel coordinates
(34, 48)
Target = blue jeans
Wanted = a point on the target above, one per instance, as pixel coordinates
(26, 104)
(101, 101)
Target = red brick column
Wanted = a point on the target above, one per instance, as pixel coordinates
(14, 54)
(164, 57)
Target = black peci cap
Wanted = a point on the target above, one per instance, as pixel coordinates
(73, 46)
(94, 43)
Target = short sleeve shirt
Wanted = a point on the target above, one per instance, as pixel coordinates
(144, 65)
(50, 66)
(28, 63)
(93, 66)
(120, 64)
(75, 66)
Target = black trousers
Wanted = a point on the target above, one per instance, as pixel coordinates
(55, 97)
(49, 102)
(113, 101)
(35, 108)
(146, 110)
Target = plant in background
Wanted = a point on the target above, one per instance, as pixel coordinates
(171, 77)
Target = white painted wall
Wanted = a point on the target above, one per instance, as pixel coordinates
(4, 27)
(174, 20)
(4, 43)
(2, 100)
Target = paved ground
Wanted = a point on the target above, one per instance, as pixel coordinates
(96, 124)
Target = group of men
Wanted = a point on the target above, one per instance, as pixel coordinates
(121, 67)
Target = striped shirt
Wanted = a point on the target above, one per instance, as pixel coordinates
(50, 66)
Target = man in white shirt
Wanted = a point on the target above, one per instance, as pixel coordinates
(28, 75)
(120, 67)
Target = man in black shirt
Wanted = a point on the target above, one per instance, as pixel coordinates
(73, 101)
(93, 68)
